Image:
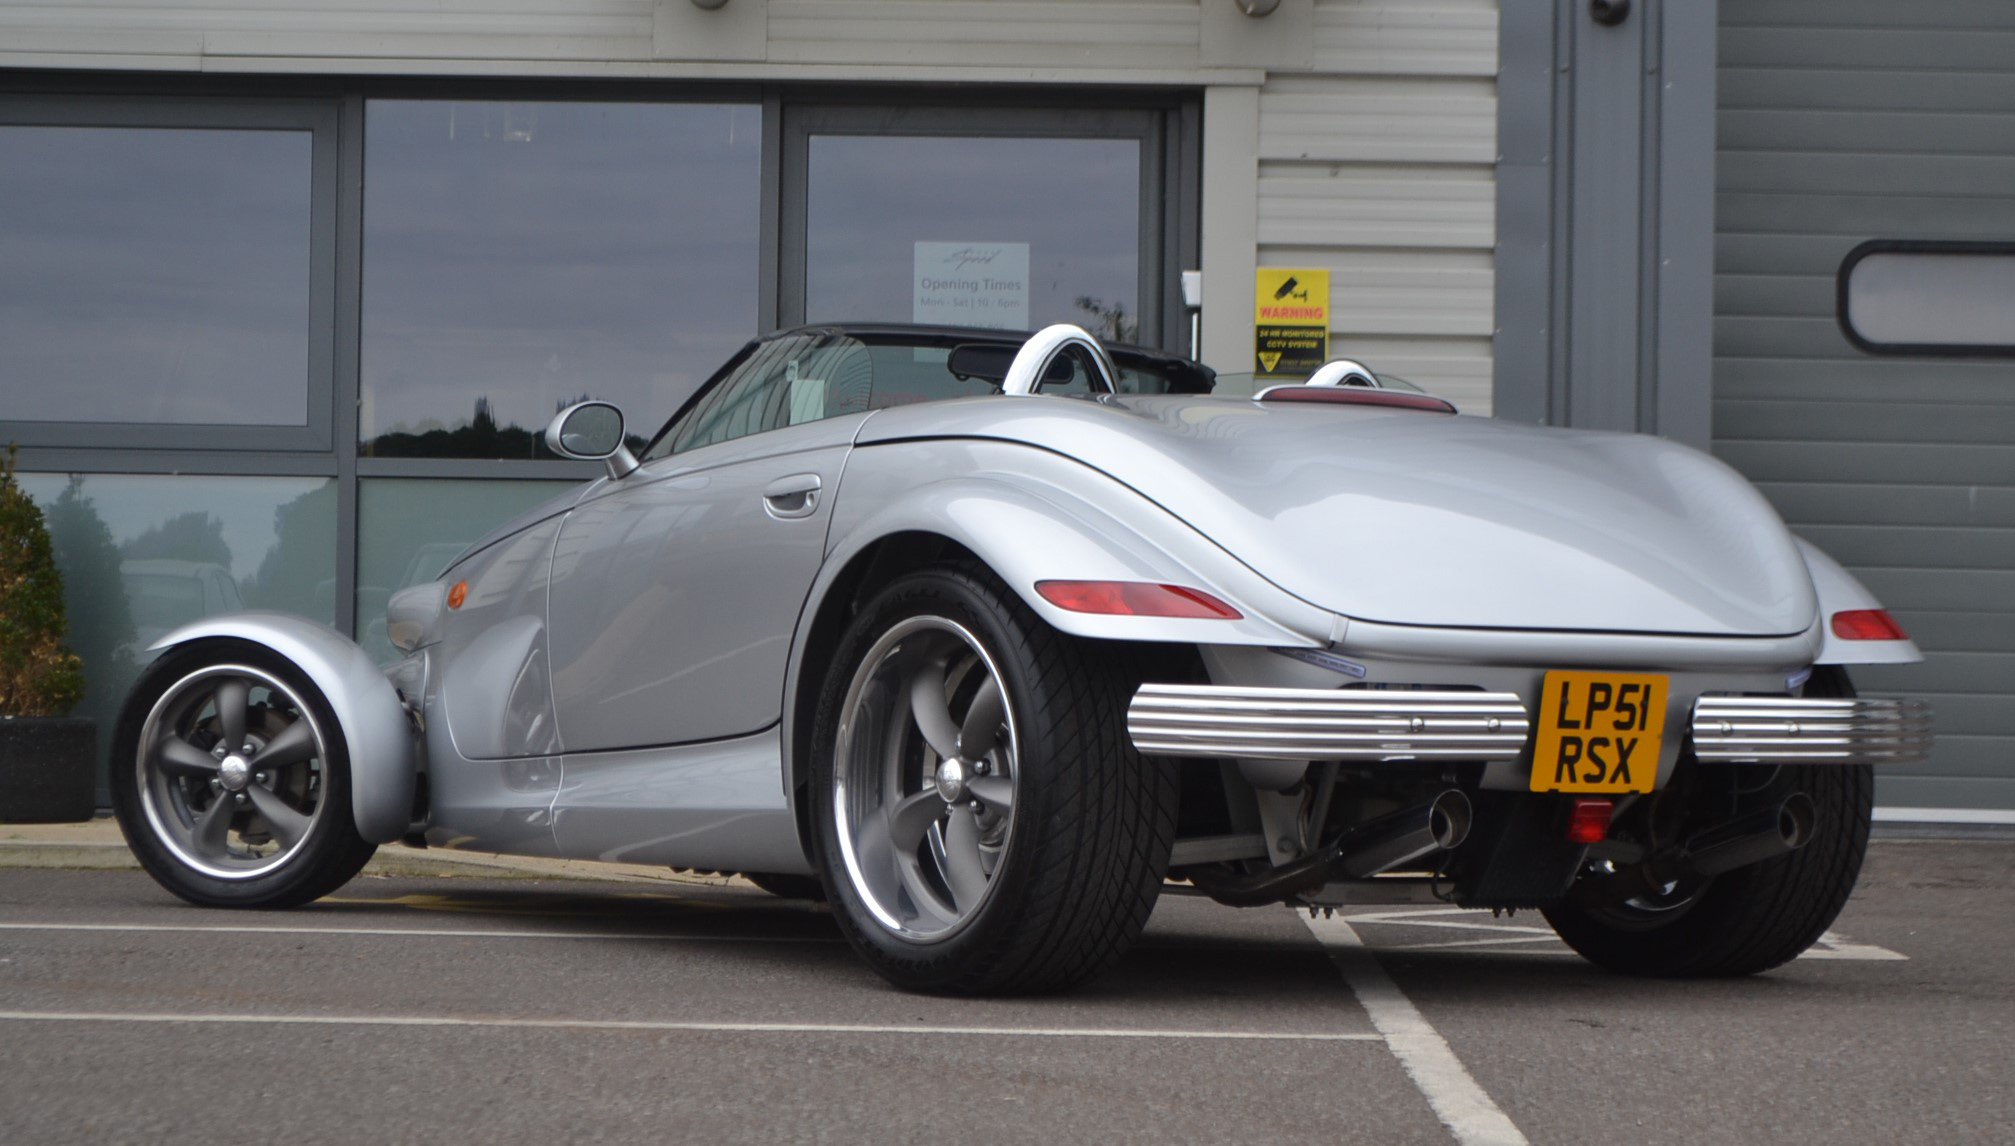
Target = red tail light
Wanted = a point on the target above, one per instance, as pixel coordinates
(1867, 625)
(1135, 599)
(1588, 822)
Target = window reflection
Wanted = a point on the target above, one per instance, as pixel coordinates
(155, 275)
(144, 554)
(977, 231)
(408, 529)
(520, 257)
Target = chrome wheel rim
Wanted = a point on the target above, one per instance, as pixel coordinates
(925, 777)
(232, 771)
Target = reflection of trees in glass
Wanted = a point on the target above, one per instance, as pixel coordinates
(94, 599)
(1111, 322)
(482, 436)
(193, 536)
(298, 575)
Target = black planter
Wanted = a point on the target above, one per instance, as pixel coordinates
(48, 767)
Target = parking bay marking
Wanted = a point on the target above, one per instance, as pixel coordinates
(1831, 945)
(679, 1025)
(1458, 1101)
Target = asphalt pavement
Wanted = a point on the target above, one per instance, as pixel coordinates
(507, 1001)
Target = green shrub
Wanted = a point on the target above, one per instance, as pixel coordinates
(38, 676)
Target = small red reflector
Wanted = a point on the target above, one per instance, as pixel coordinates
(1867, 625)
(1135, 599)
(1588, 822)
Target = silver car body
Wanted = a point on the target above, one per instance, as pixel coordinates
(630, 671)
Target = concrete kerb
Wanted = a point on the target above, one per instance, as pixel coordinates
(98, 843)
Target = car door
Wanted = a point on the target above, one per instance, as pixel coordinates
(676, 590)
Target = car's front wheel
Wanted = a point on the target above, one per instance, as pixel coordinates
(231, 779)
(982, 818)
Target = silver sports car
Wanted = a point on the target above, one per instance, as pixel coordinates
(991, 639)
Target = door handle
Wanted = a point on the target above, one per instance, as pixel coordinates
(793, 496)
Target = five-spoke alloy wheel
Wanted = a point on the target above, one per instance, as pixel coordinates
(231, 782)
(983, 821)
(924, 795)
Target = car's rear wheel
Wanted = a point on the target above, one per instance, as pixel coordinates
(983, 820)
(230, 778)
(1753, 918)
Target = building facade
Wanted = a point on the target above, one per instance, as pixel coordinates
(288, 291)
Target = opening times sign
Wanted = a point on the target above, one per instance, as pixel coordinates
(971, 284)
(1290, 320)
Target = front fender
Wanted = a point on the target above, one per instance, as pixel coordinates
(1839, 592)
(374, 723)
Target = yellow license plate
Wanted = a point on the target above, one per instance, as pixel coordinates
(1598, 732)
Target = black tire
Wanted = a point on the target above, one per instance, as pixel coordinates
(1753, 918)
(294, 839)
(788, 886)
(1076, 826)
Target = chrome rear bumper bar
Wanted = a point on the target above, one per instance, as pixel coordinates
(1366, 725)
(1373, 725)
(1810, 730)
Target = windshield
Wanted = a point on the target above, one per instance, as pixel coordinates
(807, 375)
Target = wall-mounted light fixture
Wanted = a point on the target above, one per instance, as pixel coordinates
(709, 5)
(1253, 8)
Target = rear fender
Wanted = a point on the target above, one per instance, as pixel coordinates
(1032, 515)
(375, 725)
(1839, 592)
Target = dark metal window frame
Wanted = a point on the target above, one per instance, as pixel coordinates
(1915, 247)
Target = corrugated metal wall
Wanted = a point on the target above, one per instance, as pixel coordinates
(1842, 121)
(1380, 165)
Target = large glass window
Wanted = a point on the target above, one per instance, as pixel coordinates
(155, 275)
(1011, 233)
(519, 257)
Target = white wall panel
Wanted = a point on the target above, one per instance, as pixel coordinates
(1110, 33)
(1427, 37)
(1378, 165)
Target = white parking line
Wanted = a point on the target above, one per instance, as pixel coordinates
(421, 932)
(1834, 945)
(1507, 938)
(1457, 1100)
(672, 1025)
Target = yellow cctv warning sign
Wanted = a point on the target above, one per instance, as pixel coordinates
(1290, 321)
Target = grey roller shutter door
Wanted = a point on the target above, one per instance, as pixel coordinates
(1842, 121)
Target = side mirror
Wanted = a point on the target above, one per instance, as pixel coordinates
(592, 432)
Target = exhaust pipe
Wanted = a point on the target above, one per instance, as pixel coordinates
(1362, 851)
(1749, 839)
(1392, 841)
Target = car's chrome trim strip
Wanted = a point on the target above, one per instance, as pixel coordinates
(1326, 724)
(1811, 730)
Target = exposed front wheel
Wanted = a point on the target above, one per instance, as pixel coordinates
(1753, 918)
(230, 777)
(983, 820)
